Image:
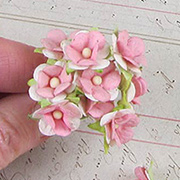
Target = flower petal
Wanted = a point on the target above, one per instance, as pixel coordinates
(111, 80)
(45, 128)
(43, 80)
(107, 118)
(56, 35)
(76, 67)
(114, 94)
(33, 94)
(59, 98)
(100, 94)
(61, 129)
(104, 52)
(95, 37)
(48, 44)
(120, 61)
(45, 92)
(64, 77)
(131, 92)
(37, 70)
(101, 64)
(61, 88)
(52, 54)
(53, 71)
(80, 41)
(73, 54)
(86, 84)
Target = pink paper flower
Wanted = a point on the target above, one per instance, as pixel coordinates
(87, 49)
(129, 52)
(141, 88)
(98, 109)
(118, 126)
(100, 86)
(60, 119)
(141, 173)
(52, 44)
(52, 83)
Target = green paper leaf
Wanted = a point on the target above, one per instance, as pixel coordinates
(51, 61)
(38, 50)
(116, 32)
(31, 117)
(73, 99)
(78, 91)
(150, 172)
(44, 103)
(96, 126)
(31, 82)
(125, 80)
(106, 145)
(69, 70)
(94, 29)
(99, 70)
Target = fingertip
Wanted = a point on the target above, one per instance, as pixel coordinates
(17, 63)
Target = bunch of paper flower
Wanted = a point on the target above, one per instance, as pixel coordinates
(84, 76)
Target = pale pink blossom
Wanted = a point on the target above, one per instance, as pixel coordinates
(60, 119)
(98, 109)
(140, 88)
(129, 51)
(100, 86)
(52, 44)
(118, 126)
(52, 82)
(87, 49)
(141, 173)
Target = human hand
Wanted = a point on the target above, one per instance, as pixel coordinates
(17, 133)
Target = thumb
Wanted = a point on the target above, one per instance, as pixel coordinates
(18, 134)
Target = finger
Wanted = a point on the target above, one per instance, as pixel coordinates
(17, 63)
(18, 134)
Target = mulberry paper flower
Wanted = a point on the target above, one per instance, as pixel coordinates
(129, 51)
(118, 126)
(52, 83)
(60, 119)
(52, 44)
(100, 86)
(87, 49)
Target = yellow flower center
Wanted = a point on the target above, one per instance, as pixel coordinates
(86, 53)
(57, 114)
(97, 80)
(54, 82)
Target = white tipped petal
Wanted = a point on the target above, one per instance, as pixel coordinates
(59, 98)
(127, 111)
(60, 63)
(119, 97)
(45, 128)
(36, 114)
(136, 71)
(114, 42)
(101, 64)
(51, 54)
(89, 96)
(107, 118)
(104, 52)
(75, 67)
(74, 123)
(107, 138)
(81, 32)
(82, 109)
(33, 95)
(131, 92)
(114, 94)
(120, 61)
(37, 70)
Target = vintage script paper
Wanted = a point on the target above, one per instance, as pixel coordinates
(80, 156)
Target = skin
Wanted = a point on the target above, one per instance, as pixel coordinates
(18, 134)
